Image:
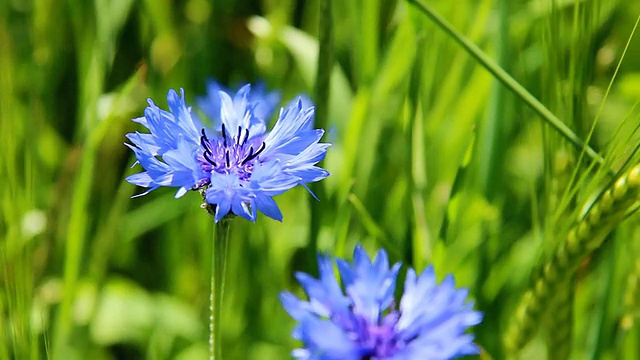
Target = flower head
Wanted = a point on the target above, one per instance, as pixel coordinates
(236, 163)
(363, 322)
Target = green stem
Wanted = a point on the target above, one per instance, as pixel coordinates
(218, 269)
(509, 82)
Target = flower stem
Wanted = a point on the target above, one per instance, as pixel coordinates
(218, 269)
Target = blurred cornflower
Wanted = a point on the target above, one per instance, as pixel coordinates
(265, 102)
(363, 322)
(236, 164)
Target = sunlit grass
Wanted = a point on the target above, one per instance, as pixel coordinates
(433, 158)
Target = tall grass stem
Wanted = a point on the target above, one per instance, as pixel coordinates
(322, 89)
(325, 64)
(509, 82)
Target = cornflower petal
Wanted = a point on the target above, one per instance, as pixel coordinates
(290, 127)
(271, 179)
(330, 342)
(267, 206)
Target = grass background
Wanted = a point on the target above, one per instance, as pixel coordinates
(432, 159)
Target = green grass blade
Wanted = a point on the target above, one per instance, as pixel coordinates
(509, 82)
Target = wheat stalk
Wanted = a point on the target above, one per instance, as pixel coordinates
(586, 235)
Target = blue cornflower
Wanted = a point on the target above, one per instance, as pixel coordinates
(238, 166)
(363, 321)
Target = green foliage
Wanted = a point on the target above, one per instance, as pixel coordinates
(434, 158)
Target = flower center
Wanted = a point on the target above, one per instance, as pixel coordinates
(379, 340)
(230, 155)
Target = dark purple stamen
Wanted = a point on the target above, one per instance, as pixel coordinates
(226, 155)
(224, 135)
(204, 141)
(238, 136)
(248, 156)
(206, 155)
(253, 155)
